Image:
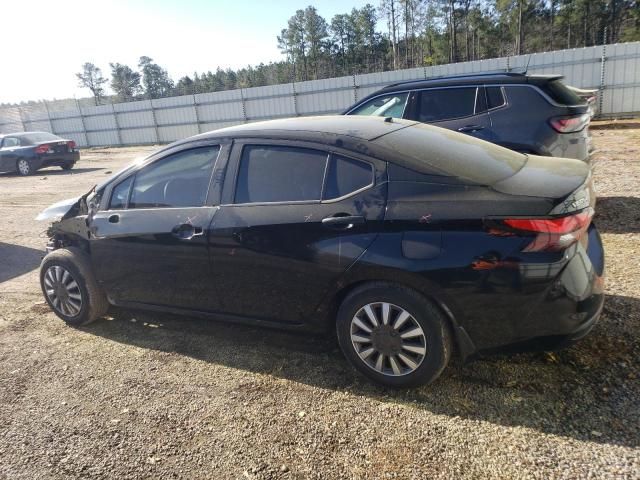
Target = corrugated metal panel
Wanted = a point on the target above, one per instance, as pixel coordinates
(139, 136)
(168, 119)
(98, 139)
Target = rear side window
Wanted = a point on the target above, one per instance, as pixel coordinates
(559, 93)
(280, 174)
(391, 105)
(179, 180)
(345, 176)
(495, 97)
(445, 104)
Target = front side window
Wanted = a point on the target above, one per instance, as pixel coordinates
(120, 194)
(179, 180)
(446, 104)
(345, 176)
(279, 174)
(391, 105)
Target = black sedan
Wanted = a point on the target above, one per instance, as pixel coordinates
(409, 241)
(26, 152)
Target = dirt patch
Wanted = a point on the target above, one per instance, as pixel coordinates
(143, 395)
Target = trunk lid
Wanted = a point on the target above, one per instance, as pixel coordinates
(566, 182)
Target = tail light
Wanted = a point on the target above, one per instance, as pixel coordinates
(568, 124)
(71, 145)
(549, 234)
(43, 148)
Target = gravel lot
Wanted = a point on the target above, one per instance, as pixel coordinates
(144, 395)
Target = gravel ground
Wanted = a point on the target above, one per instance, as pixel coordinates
(142, 395)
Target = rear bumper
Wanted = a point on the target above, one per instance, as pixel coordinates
(564, 310)
(55, 159)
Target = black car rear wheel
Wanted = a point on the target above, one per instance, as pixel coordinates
(70, 287)
(393, 335)
(67, 165)
(23, 167)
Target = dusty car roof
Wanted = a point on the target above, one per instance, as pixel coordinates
(299, 128)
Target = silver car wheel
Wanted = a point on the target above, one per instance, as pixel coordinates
(388, 339)
(63, 291)
(23, 166)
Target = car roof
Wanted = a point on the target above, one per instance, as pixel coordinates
(425, 149)
(471, 79)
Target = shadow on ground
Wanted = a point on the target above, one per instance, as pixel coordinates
(16, 260)
(54, 171)
(586, 392)
(618, 214)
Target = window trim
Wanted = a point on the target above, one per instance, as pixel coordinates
(233, 170)
(504, 97)
(355, 192)
(153, 161)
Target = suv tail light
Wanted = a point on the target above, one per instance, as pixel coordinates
(42, 148)
(550, 234)
(568, 124)
(71, 145)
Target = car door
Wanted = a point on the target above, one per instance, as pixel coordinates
(462, 109)
(294, 217)
(149, 245)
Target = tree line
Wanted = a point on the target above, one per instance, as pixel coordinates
(416, 33)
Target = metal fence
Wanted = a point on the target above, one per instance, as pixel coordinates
(612, 69)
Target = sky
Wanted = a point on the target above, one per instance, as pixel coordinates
(45, 42)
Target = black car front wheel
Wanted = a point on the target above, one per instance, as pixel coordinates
(70, 287)
(23, 167)
(393, 335)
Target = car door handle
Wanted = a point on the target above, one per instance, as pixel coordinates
(342, 222)
(186, 231)
(471, 128)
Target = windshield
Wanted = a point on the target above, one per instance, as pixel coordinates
(384, 106)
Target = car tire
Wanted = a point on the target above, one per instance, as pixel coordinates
(23, 167)
(67, 166)
(70, 287)
(416, 334)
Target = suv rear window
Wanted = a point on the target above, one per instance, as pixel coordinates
(559, 93)
(495, 97)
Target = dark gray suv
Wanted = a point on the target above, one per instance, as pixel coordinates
(535, 114)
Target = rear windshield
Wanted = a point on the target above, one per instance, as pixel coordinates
(561, 94)
(437, 151)
(38, 137)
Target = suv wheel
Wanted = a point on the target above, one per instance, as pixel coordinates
(70, 287)
(393, 335)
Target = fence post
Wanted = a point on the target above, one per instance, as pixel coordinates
(24, 127)
(155, 121)
(46, 107)
(195, 110)
(84, 127)
(244, 107)
(115, 118)
(295, 97)
(603, 60)
(355, 89)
